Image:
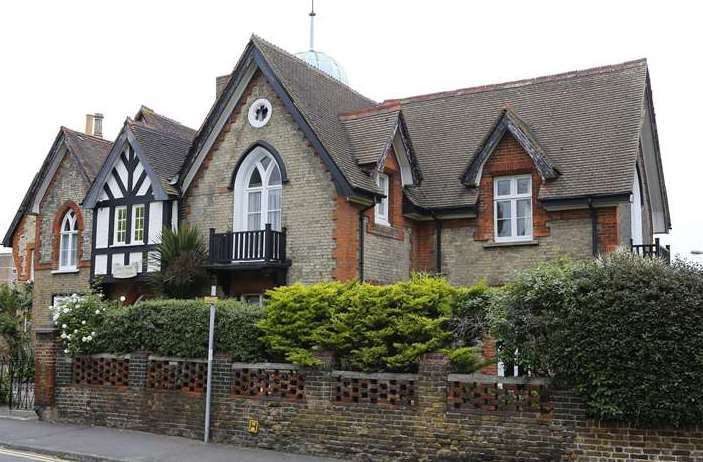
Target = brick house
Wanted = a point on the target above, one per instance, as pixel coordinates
(295, 177)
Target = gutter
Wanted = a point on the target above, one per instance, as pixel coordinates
(594, 227)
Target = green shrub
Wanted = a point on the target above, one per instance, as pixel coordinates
(624, 331)
(180, 328)
(81, 320)
(368, 327)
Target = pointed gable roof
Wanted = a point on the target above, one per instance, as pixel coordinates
(160, 143)
(313, 98)
(509, 122)
(370, 134)
(88, 152)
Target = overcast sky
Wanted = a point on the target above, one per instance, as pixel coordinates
(62, 59)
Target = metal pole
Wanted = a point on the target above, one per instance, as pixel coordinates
(210, 348)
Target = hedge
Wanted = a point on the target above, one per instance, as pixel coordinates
(161, 327)
(371, 327)
(623, 331)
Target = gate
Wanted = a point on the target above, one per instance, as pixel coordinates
(17, 378)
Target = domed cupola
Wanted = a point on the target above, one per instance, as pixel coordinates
(320, 60)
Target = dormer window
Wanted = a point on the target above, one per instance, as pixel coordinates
(512, 196)
(381, 212)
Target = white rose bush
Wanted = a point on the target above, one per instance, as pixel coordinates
(80, 319)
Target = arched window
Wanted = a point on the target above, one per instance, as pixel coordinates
(257, 192)
(68, 250)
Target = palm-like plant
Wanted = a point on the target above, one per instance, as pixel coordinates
(182, 256)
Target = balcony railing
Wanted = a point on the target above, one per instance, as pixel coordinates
(652, 250)
(266, 245)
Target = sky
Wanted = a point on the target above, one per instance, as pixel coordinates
(61, 60)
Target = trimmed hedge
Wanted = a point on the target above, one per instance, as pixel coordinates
(624, 331)
(369, 327)
(161, 327)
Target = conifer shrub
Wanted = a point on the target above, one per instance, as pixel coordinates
(369, 327)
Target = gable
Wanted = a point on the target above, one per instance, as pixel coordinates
(126, 173)
(313, 100)
(127, 178)
(509, 123)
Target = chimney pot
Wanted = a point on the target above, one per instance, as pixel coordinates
(94, 124)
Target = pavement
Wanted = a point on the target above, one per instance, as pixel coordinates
(24, 438)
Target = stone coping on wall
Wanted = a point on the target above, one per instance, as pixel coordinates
(374, 375)
(267, 366)
(174, 359)
(483, 378)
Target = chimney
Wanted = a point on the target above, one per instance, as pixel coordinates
(220, 84)
(94, 124)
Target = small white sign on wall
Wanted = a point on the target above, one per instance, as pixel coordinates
(121, 271)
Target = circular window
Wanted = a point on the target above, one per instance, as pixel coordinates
(259, 113)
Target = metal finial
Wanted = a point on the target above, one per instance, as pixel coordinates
(312, 25)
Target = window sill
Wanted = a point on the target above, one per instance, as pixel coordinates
(491, 245)
(66, 271)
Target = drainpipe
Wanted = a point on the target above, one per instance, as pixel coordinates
(438, 244)
(594, 227)
(361, 240)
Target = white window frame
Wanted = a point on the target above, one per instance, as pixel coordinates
(134, 223)
(116, 241)
(382, 209)
(513, 198)
(242, 190)
(246, 297)
(67, 236)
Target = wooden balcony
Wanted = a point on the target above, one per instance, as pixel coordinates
(257, 249)
(655, 250)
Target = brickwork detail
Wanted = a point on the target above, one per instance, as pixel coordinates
(378, 390)
(431, 429)
(499, 396)
(101, 370)
(177, 375)
(283, 384)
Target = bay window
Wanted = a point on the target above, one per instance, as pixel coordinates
(512, 198)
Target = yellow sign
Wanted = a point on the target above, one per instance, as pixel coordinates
(210, 299)
(253, 426)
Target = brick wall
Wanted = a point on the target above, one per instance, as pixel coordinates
(387, 249)
(431, 415)
(308, 202)
(67, 188)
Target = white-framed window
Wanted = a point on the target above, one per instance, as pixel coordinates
(381, 214)
(68, 245)
(258, 193)
(512, 200)
(138, 223)
(253, 299)
(120, 225)
(259, 112)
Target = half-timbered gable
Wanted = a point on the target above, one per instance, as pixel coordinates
(134, 197)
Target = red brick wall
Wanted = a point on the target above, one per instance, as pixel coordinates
(423, 247)
(346, 240)
(509, 158)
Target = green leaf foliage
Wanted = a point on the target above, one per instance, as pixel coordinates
(182, 257)
(368, 327)
(168, 328)
(624, 331)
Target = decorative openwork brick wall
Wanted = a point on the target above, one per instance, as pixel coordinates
(103, 370)
(177, 374)
(477, 392)
(378, 389)
(268, 380)
(431, 415)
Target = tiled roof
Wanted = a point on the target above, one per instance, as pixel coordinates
(164, 150)
(89, 151)
(320, 99)
(587, 123)
(148, 117)
(371, 134)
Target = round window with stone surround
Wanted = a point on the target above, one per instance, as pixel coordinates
(260, 112)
